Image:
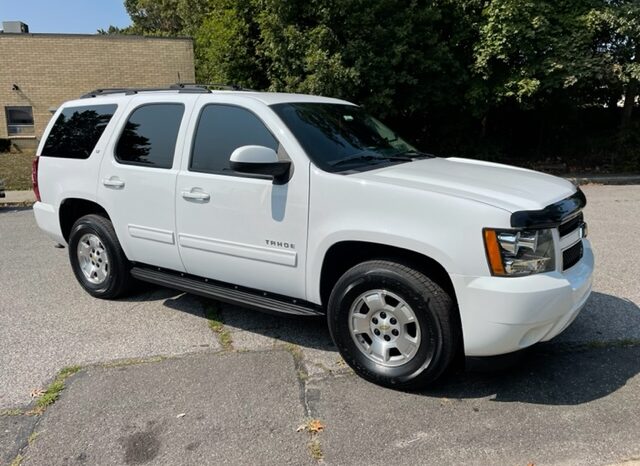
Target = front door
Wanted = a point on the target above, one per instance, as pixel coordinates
(235, 228)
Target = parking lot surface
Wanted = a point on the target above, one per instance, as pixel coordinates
(246, 384)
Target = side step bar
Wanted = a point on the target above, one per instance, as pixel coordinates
(227, 293)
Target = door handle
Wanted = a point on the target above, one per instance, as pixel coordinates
(196, 195)
(113, 182)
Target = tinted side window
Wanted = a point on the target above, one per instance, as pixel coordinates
(77, 130)
(149, 137)
(221, 130)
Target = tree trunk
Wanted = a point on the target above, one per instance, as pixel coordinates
(483, 125)
(629, 101)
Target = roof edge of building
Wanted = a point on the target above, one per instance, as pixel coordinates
(97, 36)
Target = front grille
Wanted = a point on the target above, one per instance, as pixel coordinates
(571, 225)
(572, 255)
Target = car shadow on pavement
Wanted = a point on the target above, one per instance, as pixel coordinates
(143, 292)
(593, 362)
(547, 376)
(307, 332)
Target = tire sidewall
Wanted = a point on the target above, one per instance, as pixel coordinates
(423, 364)
(86, 226)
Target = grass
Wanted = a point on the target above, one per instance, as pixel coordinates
(313, 427)
(32, 438)
(11, 412)
(296, 352)
(217, 325)
(315, 449)
(225, 339)
(52, 393)
(15, 170)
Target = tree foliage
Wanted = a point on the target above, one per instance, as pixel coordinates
(460, 75)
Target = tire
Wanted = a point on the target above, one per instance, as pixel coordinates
(109, 277)
(411, 304)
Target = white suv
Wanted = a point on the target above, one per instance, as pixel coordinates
(306, 205)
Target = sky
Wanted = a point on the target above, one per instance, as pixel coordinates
(65, 16)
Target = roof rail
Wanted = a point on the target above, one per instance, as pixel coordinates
(227, 87)
(130, 91)
(188, 88)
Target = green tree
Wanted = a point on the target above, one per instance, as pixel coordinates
(466, 76)
(539, 52)
(531, 51)
(616, 28)
(227, 41)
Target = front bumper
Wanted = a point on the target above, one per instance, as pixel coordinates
(504, 314)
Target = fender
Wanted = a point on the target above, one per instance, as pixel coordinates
(317, 257)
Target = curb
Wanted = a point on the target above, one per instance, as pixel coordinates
(17, 198)
(9, 205)
(604, 179)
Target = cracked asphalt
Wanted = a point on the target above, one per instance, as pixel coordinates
(573, 401)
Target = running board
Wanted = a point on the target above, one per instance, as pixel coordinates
(227, 293)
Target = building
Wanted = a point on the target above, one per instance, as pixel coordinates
(40, 71)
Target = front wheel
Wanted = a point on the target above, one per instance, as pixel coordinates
(97, 259)
(392, 324)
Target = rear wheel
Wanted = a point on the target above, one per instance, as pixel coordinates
(392, 324)
(97, 259)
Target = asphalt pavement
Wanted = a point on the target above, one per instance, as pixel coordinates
(159, 385)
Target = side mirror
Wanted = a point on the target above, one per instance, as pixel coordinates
(260, 160)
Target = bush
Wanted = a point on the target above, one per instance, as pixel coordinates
(5, 145)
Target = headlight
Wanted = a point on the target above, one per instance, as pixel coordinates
(514, 253)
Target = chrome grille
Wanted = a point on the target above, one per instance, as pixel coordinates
(571, 233)
(571, 225)
(572, 255)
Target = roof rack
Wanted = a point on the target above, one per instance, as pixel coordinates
(190, 88)
(226, 87)
(131, 91)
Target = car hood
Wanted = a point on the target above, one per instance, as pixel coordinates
(503, 186)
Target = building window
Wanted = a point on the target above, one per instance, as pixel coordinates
(19, 121)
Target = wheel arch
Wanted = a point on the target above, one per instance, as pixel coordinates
(71, 209)
(343, 255)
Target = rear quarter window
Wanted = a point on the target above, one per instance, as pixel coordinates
(77, 130)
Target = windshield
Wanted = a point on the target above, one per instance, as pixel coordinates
(343, 137)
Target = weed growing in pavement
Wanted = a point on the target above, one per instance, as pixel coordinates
(216, 324)
(11, 412)
(32, 438)
(52, 393)
(316, 450)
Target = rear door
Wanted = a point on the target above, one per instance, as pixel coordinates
(238, 228)
(138, 177)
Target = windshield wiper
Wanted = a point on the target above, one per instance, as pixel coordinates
(371, 158)
(412, 153)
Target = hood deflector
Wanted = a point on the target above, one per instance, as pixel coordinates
(552, 215)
